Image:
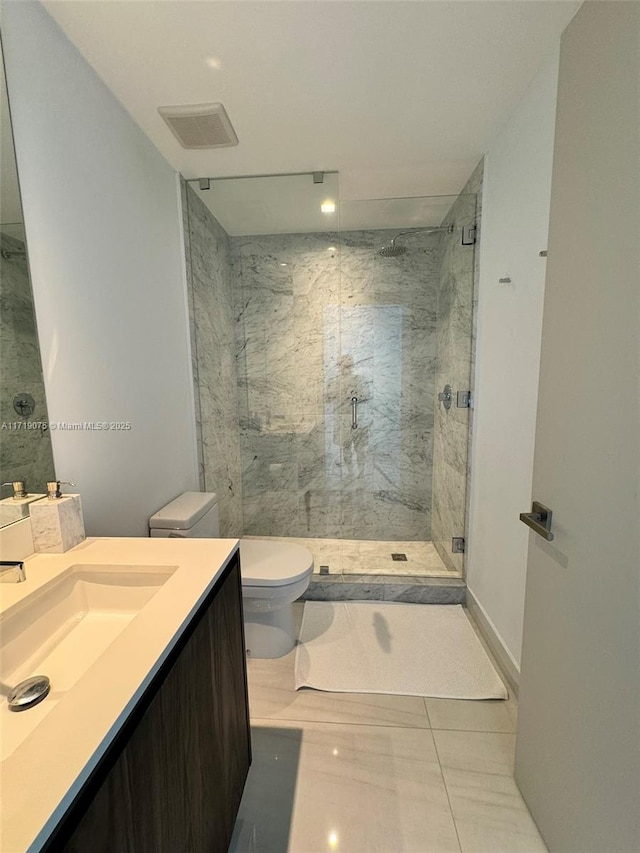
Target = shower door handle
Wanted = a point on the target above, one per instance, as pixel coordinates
(539, 520)
(354, 413)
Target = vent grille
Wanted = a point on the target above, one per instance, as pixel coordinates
(200, 125)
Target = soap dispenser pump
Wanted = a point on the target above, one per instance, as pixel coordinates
(54, 492)
(19, 489)
(56, 522)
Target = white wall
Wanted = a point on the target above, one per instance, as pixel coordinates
(515, 224)
(102, 216)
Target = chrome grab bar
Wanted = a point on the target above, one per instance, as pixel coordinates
(539, 520)
(354, 413)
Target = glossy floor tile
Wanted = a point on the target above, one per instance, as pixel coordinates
(357, 773)
(482, 752)
(489, 812)
(363, 789)
(487, 716)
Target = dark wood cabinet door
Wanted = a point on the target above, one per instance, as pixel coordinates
(175, 784)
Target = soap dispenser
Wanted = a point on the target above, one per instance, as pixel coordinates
(56, 521)
(16, 507)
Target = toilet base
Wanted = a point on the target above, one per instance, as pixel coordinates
(269, 634)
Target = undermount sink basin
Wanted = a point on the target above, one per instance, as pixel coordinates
(63, 628)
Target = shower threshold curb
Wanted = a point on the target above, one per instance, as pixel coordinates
(410, 589)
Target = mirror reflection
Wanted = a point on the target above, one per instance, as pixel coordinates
(25, 442)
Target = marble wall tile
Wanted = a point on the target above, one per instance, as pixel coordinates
(273, 510)
(319, 513)
(449, 490)
(269, 462)
(317, 453)
(310, 335)
(212, 318)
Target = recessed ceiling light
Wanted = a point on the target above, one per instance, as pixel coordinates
(331, 249)
(283, 264)
(328, 207)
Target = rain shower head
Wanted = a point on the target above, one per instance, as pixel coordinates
(394, 250)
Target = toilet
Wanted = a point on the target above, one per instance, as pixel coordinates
(274, 574)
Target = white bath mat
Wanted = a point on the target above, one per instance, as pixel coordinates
(388, 647)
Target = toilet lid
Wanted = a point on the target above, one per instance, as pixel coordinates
(265, 563)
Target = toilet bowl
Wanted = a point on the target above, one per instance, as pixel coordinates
(274, 573)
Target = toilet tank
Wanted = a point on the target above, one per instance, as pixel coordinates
(191, 515)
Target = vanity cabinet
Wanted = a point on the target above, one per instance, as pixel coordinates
(172, 780)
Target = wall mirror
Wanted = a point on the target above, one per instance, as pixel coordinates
(25, 440)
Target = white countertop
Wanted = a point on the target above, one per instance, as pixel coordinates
(41, 778)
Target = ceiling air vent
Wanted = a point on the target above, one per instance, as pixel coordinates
(200, 125)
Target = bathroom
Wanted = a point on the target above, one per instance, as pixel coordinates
(107, 247)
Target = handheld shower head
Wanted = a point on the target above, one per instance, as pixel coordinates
(394, 250)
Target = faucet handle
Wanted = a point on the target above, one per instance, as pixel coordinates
(53, 488)
(19, 489)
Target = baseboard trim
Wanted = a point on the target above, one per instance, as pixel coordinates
(494, 644)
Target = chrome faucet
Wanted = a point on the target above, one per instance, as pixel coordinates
(12, 571)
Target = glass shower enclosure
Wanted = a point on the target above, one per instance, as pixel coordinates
(342, 421)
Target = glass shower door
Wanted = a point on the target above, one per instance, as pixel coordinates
(403, 327)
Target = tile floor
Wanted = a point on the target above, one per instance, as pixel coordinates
(378, 774)
(364, 556)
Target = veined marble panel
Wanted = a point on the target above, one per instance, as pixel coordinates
(192, 332)
(57, 525)
(274, 510)
(212, 318)
(315, 327)
(269, 462)
(319, 513)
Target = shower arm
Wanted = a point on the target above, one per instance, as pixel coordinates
(435, 229)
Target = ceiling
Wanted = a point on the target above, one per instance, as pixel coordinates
(401, 98)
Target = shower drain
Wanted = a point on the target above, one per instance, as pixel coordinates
(399, 558)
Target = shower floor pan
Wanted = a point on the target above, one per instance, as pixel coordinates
(367, 557)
